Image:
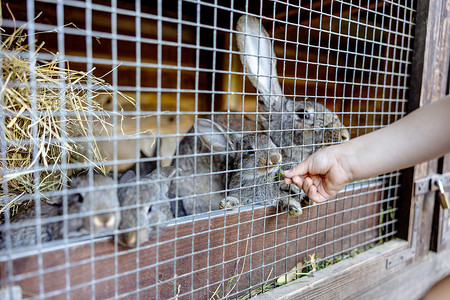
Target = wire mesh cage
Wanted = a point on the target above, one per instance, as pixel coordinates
(143, 144)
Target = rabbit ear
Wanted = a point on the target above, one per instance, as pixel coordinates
(78, 182)
(169, 171)
(213, 135)
(165, 172)
(259, 59)
(127, 176)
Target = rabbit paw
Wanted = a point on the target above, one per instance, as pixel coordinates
(306, 201)
(229, 202)
(292, 206)
(295, 209)
(291, 189)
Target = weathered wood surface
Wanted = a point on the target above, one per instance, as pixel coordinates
(441, 236)
(414, 281)
(344, 279)
(238, 249)
(433, 84)
(365, 276)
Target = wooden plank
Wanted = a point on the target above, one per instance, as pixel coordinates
(407, 209)
(413, 281)
(433, 85)
(368, 273)
(237, 250)
(342, 280)
(441, 234)
(430, 56)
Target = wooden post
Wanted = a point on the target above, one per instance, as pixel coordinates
(428, 83)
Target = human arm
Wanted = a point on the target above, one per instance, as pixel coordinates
(422, 135)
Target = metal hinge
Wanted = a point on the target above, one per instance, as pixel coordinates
(430, 183)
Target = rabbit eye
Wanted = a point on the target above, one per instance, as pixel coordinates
(79, 198)
(149, 209)
(250, 150)
(304, 115)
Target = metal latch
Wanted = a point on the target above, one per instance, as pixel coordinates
(435, 182)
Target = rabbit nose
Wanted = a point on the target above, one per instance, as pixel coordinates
(274, 157)
(345, 136)
(104, 222)
(128, 239)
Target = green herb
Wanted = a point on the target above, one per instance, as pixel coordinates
(276, 175)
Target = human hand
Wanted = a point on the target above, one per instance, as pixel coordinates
(321, 176)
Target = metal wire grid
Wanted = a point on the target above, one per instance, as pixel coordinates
(392, 19)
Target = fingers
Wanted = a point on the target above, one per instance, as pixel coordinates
(308, 185)
(300, 169)
(304, 183)
(287, 180)
(290, 180)
(298, 181)
(308, 180)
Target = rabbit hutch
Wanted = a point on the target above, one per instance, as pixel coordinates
(143, 145)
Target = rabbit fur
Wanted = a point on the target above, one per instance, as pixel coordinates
(143, 217)
(253, 178)
(82, 202)
(298, 128)
(219, 152)
(201, 183)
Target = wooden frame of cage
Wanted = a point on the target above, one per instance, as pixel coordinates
(365, 275)
(222, 247)
(406, 268)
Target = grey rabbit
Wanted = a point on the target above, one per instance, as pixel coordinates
(141, 218)
(203, 161)
(82, 205)
(101, 197)
(299, 128)
(26, 234)
(251, 159)
(255, 168)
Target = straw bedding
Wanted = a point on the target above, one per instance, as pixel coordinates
(46, 110)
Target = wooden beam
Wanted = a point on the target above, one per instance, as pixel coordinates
(414, 281)
(433, 22)
(197, 256)
(344, 279)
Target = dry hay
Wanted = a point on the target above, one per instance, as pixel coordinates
(40, 117)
